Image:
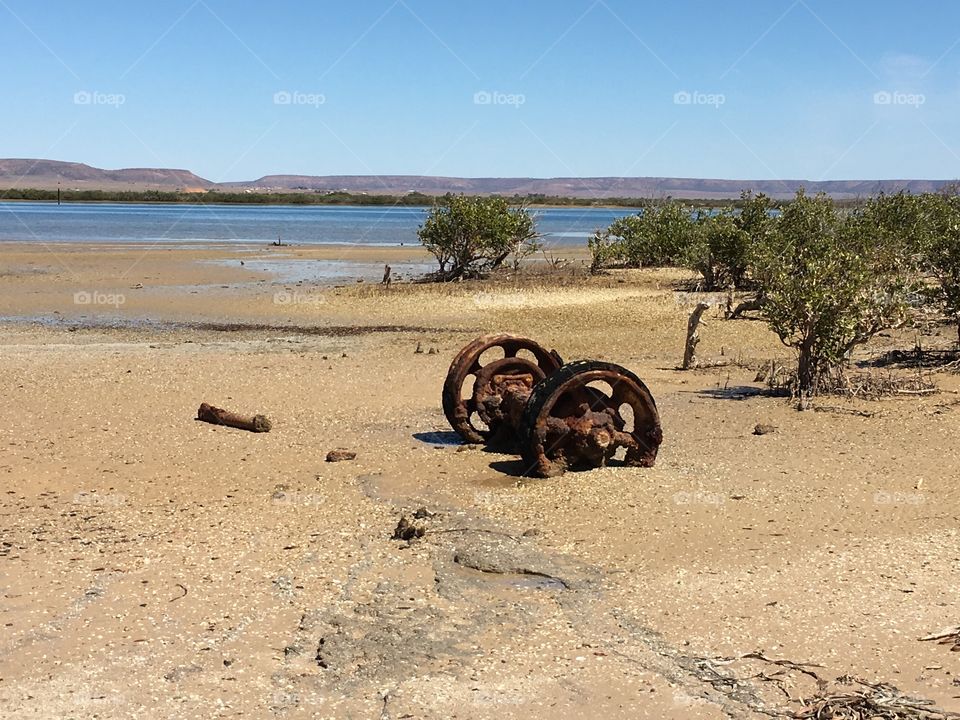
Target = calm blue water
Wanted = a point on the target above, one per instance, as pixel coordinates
(176, 224)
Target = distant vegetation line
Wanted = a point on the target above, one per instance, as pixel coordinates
(336, 198)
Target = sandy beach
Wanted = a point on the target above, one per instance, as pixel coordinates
(155, 566)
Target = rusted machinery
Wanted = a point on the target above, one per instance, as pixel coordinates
(509, 391)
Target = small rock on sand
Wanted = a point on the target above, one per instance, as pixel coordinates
(763, 429)
(340, 455)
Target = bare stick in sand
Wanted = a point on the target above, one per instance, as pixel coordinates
(219, 416)
(693, 337)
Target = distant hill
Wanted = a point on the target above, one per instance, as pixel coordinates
(599, 187)
(47, 173)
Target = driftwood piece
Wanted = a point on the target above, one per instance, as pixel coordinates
(942, 634)
(947, 636)
(693, 337)
(219, 416)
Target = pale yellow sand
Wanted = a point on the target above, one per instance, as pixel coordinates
(154, 566)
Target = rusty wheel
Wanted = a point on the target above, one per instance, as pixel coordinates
(584, 412)
(480, 416)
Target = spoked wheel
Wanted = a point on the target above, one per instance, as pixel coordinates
(479, 413)
(583, 413)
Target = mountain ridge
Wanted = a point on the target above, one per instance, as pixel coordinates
(32, 173)
(44, 174)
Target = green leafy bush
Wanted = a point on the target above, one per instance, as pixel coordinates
(920, 234)
(723, 249)
(828, 284)
(717, 245)
(660, 235)
(471, 236)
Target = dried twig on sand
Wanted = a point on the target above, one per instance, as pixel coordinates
(870, 701)
(953, 367)
(780, 678)
(843, 410)
(845, 698)
(800, 667)
(182, 587)
(947, 636)
(867, 385)
(875, 385)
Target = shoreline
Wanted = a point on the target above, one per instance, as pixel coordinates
(73, 280)
(385, 205)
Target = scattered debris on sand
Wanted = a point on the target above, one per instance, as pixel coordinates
(947, 636)
(870, 701)
(408, 531)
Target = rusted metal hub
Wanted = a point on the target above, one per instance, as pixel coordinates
(480, 413)
(587, 435)
(501, 398)
(583, 414)
(557, 416)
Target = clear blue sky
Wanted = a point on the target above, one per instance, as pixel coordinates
(775, 89)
